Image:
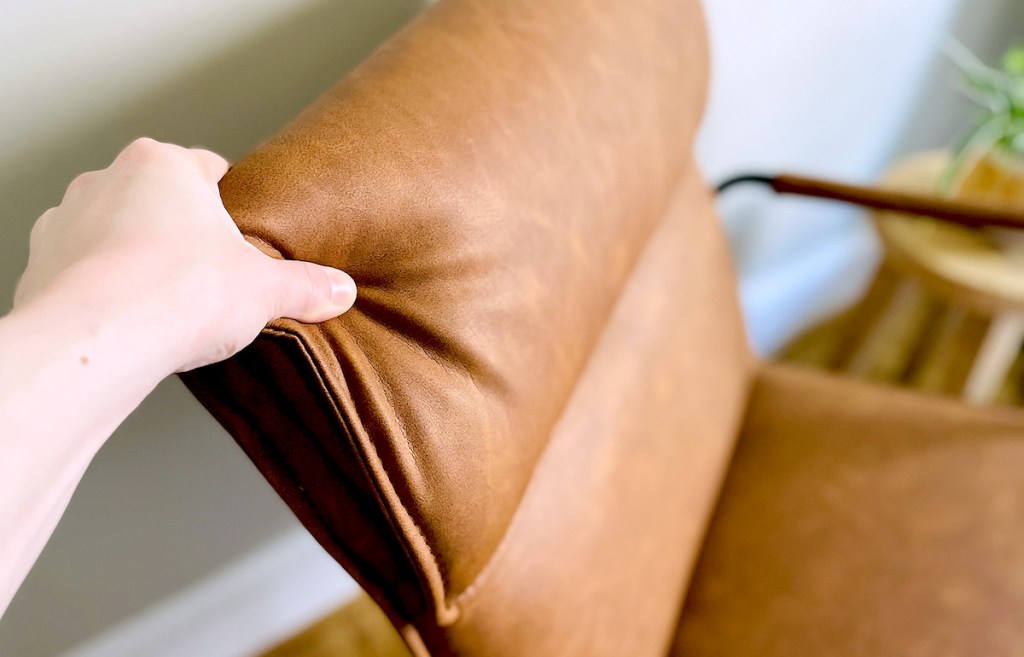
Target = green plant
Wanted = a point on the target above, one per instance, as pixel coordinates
(1000, 94)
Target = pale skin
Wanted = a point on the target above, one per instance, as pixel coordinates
(138, 273)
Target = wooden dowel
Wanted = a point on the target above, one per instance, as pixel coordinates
(973, 215)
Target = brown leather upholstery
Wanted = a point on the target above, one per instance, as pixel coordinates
(514, 441)
(858, 520)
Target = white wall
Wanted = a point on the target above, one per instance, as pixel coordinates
(170, 499)
(812, 87)
(834, 89)
(988, 28)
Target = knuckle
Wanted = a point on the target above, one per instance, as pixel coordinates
(300, 288)
(146, 149)
(210, 161)
(81, 181)
(210, 155)
(79, 185)
(46, 217)
(144, 145)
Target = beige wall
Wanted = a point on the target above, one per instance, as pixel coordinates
(828, 88)
(170, 499)
(988, 28)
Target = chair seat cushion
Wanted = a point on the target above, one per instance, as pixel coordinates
(861, 520)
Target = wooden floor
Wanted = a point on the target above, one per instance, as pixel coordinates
(918, 342)
(359, 629)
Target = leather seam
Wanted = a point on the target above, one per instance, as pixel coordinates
(445, 613)
(287, 472)
(405, 439)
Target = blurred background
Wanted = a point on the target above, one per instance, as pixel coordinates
(174, 545)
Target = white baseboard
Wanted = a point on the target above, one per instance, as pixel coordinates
(239, 611)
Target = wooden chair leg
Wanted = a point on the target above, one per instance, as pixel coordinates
(955, 343)
(885, 348)
(995, 357)
(861, 321)
(933, 358)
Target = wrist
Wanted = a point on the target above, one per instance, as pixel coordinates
(115, 322)
(96, 361)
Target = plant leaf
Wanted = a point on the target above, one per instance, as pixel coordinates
(978, 143)
(987, 86)
(1013, 61)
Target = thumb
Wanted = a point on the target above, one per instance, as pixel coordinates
(309, 293)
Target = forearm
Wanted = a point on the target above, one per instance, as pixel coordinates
(70, 372)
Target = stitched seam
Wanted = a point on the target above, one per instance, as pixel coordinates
(381, 496)
(469, 592)
(406, 443)
(288, 473)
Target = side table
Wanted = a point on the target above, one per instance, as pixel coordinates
(969, 274)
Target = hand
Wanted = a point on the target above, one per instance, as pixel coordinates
(138, 273)
(150, 233)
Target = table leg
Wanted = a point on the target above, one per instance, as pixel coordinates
(999, 349)
(883, 351)
(862, 320)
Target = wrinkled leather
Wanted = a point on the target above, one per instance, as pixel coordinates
(597, 558)
(490, 178)
(516, 438)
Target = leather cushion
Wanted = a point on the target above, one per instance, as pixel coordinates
(598, 556)
(861, 520)
(489, 178)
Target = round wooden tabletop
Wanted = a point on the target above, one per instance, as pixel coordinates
(967, 265)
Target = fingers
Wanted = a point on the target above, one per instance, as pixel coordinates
(145, 151)
(307, 292)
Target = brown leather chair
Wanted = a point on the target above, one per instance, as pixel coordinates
(540, 431)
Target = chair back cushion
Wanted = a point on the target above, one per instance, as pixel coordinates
(513, 439)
